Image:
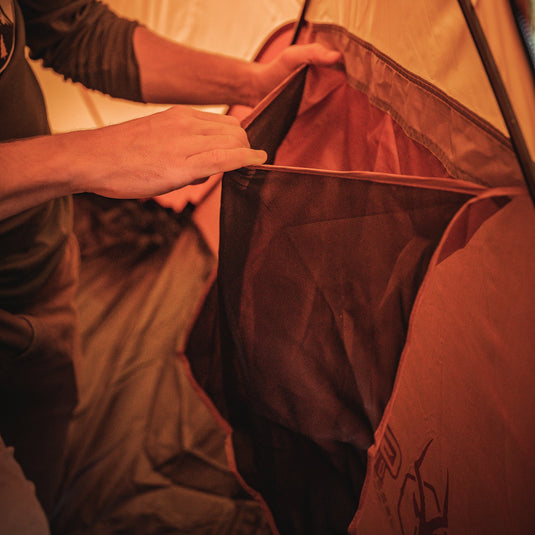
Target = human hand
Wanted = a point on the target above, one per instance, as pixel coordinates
(163, 152)
(136, 159)
(266, 76)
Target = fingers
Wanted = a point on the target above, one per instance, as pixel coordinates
(319, 55)
(217, 143)
(213, 138)
(267, 76)
(221, 160)
(314, 54)
(191, 144)
(197, 122)
(208, 129)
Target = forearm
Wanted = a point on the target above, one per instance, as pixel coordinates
(33, 172)
(136, 159)
(172, 73)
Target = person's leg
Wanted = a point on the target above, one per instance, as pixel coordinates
(37, 380)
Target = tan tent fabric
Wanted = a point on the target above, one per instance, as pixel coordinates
(230, 27)
(452, 133)
(455, 448)
(431, 40)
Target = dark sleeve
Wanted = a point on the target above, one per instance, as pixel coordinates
(86, 42)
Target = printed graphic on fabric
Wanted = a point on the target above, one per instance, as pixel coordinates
(389, 456)
(422, 509)
(388, 462)
(7, 33)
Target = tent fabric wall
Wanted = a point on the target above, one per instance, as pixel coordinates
(454, 449)
(432, 41)
(291, 360)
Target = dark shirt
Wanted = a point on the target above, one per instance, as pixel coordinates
(85, 42)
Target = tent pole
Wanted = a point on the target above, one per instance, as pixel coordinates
(517, 139)
(300, 22)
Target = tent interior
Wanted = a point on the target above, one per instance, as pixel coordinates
(340, 340)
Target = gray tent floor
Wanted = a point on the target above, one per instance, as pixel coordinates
(145, 454)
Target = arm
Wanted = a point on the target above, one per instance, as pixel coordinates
(88, 43)
(148, 156)
(140, 158)
(173, 73)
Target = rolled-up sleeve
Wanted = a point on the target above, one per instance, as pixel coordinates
(85, 42)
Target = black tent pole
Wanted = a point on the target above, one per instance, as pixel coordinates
(517, 139)
(300, 22)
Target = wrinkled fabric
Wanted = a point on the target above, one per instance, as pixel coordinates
(318, 272)
(144, 455)
(455, 447)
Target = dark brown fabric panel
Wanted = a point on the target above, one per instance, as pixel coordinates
(318, 272)
(317, 278)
